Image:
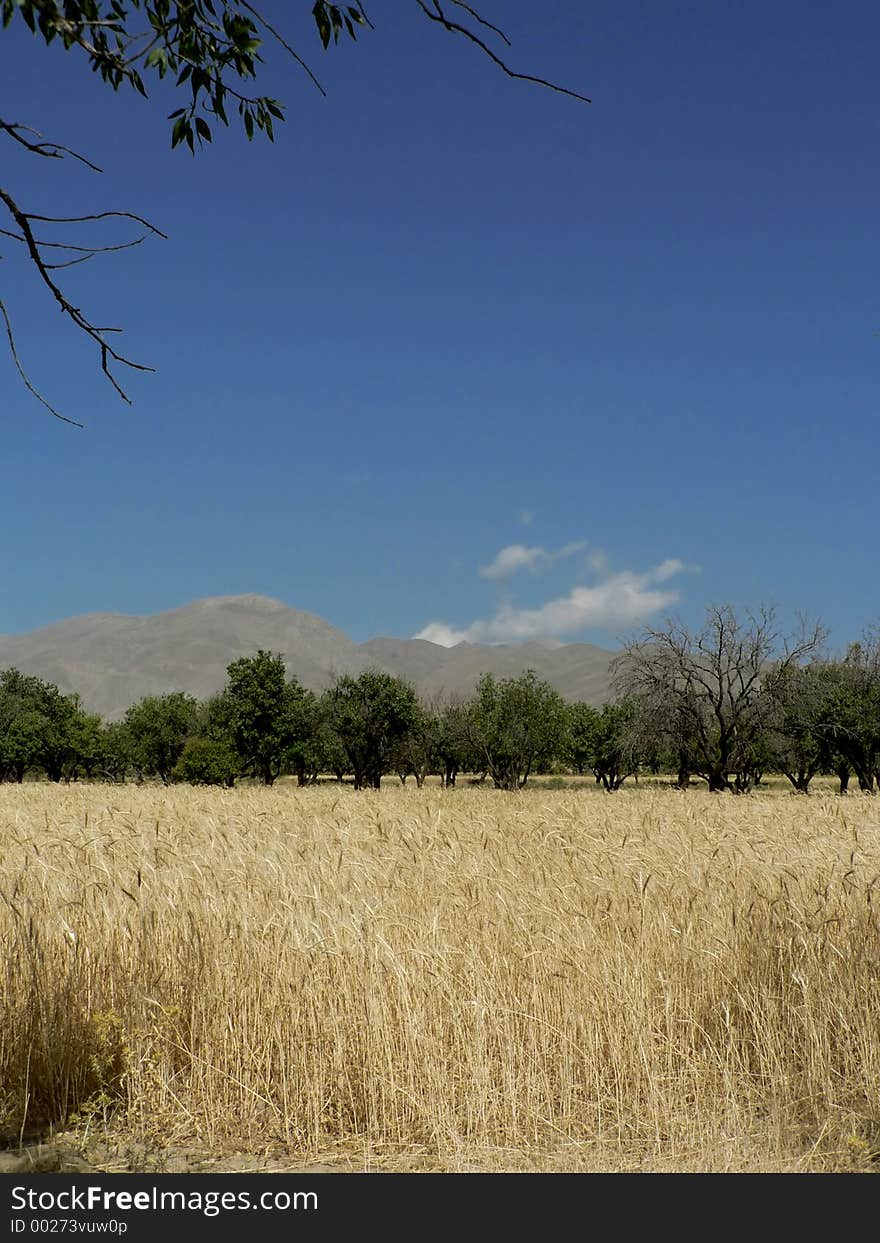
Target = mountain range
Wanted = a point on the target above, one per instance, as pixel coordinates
(112, 659)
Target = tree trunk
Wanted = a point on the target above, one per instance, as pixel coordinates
(718, 782)
(800, 780)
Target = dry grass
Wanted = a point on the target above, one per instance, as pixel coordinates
(550, 980)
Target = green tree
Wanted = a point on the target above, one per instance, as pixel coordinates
(115, 750)
(207, 761)
(851, 725)
(803, 703)
(454, 748)
(20, 744)
(371, 715)
(270, 717)
(306, 752)
(605, 740)
(61, 732)
(158, 727)
(579, 735)
(85, 753)
(513, 725)
(418, 752)
(39, 726)
(331, 756)
(210, 52)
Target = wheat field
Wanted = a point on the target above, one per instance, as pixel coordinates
(463, 979)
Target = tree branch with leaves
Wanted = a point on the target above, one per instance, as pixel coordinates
(213, 50)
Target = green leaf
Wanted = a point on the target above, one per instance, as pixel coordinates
(249, 125)
(202, 129)
(158, 59)
(322, 21)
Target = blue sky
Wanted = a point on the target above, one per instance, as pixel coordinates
(448, 314)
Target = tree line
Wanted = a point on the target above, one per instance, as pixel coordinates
(725, 705)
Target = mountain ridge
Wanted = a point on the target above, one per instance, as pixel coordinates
(114, 659)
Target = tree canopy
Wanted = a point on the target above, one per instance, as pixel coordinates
(709, 693)
(728, 703)
(158, 727)
(514, 724)
(265, 713)
(371, 715)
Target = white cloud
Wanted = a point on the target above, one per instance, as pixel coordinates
(666, 569)
(439, 632)
(518, 557)
(622, 599)
(568, 550)
(512, 558)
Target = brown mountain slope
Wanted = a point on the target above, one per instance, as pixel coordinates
(112, 659)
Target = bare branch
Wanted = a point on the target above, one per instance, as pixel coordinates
(460, 4)
(101, 215)
(23, 220)
(21, 371)
(438, 15)
(51, 150)
(90, 252)
(87, 250)
(207, 51)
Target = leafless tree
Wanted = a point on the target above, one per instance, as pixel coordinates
(708, 693)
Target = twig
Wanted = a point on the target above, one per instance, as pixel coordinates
(101, 215)
(280, 38)
(456, 27)
(51, 150)
(23, 220)
(90, 250)
(460, 4)
(21, 371)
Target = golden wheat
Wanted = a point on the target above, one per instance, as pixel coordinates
(557, 979)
